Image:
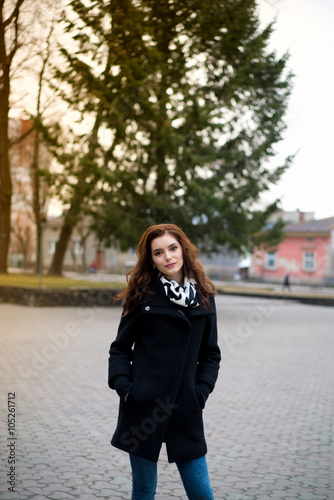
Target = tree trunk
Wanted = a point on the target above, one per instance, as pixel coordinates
(11, 23)
(73, 214)
(5, 178)
(36, 200)
(58, 258)
(38, 245)
(5, 199)
(70, 221)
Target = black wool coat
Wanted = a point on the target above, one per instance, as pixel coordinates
(168, 352)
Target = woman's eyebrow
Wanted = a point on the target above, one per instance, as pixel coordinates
(159, 249)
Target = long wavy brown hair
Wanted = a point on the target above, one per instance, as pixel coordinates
(142, 274)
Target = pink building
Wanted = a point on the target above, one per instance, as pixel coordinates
(306, 253)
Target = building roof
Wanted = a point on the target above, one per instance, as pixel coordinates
(312, 226)
(294, 217)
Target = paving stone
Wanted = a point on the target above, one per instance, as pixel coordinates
(35, 497)
(35, 490)
(59, 495)
(268, 423)
(108, 493)
(310, 496)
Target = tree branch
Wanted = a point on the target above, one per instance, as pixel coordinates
(14, 14)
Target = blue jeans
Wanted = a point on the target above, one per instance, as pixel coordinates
(194, 475)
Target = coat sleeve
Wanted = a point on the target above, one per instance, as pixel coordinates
(120, 353)
(209, 355)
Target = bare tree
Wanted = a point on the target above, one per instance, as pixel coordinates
(39, 165)
(26, 30)
(9, 44)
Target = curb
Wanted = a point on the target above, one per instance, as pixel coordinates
(312, 299)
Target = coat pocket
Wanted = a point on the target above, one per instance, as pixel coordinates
(130, 400)
(200, 397)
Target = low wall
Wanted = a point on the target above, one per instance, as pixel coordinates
(103, 297)
(53, 297)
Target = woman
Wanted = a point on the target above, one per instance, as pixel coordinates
(164, 362)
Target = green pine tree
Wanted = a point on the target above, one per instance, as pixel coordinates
(207, 118)
(191, 102)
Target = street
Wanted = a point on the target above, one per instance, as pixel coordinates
(269, 422)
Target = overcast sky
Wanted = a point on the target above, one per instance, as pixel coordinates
(305, 28)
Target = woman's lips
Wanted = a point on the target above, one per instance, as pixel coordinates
(171, 265)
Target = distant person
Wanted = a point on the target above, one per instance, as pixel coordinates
(164, 362)
(286, 282)
(92, 268)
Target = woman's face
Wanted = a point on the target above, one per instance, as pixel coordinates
(167, 256)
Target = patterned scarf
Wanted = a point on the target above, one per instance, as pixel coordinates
(184, 295)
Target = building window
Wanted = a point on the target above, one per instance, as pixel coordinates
(52, 246)
(309, 261)
(271, 260)
(78, 249)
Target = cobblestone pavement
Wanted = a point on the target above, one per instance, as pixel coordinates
(269, 423)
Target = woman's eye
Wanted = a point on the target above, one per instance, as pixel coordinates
(174, 248)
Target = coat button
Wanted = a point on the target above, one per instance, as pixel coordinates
(147, 308)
